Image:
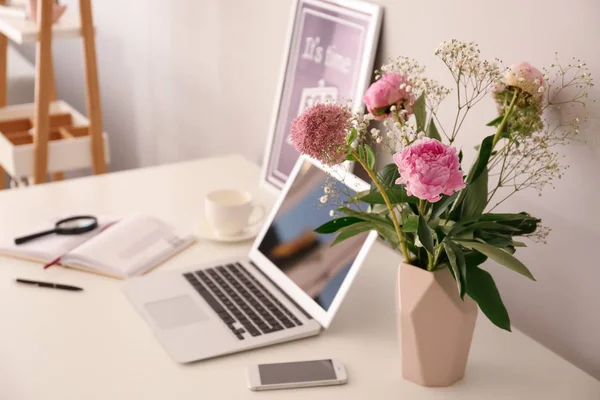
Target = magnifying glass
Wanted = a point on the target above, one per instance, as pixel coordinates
(68, 226)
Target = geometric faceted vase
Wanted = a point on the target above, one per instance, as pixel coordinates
(435, 326)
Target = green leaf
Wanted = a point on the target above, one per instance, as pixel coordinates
(504, 217)
(478, 168)
(474, 257)
(482, 159)
(361, 152)
(523, 222)
(380, 111)
(420, 111)
(483, 290)
(350, 157)
(397, 194)
(432, 131)
(440, 206)
(425, 235)
(380, 223)
(370, 157)
(488, 225)
(500, 256)
(495, 121)
(460, 156)
(411, 224)
(497, 241)
(352, 230)
(387, 176)
(351, 137)
(458, 265)
(337, 224)
(475, 198)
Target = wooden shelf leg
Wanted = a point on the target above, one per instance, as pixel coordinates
(94, 110)
(55, 176)
(42, 92)
(3, 84)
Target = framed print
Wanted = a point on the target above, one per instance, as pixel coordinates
(330, 55)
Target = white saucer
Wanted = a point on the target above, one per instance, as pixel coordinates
(208, 233)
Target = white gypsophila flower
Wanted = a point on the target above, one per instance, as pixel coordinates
(361, 122)
(332, 213)
(326, 189)
(323, 199)
(541, 89)
(379, 139)
(375, 132)
(419, 84)
(478, 76)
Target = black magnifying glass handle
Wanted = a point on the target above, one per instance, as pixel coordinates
(27, 238)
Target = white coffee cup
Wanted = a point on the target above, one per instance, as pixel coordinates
(229, 211)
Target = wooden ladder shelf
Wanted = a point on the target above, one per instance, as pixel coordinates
(49, 136)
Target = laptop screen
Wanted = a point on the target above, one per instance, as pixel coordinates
(305, 256)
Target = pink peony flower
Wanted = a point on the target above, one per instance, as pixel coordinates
(429, 169)
(389, 90)
(525, 77)
(320, 132)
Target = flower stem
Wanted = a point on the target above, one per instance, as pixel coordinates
(422, 211)
(422, 206)
(388, 203)
(505, 119)
(436, 257)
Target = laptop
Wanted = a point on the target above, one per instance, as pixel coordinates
(288, 287)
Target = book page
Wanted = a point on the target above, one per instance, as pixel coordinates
(50, 247)
(133, 245)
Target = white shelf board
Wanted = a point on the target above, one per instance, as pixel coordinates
(26, 31)
(63, 155)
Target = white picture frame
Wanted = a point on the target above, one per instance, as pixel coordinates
(336, 72)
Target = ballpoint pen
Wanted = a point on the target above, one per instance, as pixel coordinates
(49, 285)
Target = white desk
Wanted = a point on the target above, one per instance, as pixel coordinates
(93, 345)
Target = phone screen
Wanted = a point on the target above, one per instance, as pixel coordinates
(303, 371)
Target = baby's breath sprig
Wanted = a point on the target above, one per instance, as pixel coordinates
(530, 158)
(473, 76)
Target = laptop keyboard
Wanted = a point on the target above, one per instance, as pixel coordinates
(238, 297)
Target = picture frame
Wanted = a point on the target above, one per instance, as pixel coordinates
(330, 54)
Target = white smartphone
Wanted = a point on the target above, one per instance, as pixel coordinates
(296, 374)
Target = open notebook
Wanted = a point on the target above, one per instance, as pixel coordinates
(119, 248)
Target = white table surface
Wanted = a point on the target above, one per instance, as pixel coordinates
(93, 345)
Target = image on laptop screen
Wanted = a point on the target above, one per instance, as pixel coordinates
(305, 256)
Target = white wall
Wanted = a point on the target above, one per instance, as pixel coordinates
(188, 79)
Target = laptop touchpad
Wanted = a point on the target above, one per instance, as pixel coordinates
(175, 312)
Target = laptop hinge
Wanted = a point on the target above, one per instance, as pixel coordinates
(307, 315)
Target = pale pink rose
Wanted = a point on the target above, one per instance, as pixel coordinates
(389, 90)
(429, 169)
(525, 77)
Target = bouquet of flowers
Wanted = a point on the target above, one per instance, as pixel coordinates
(422, 203)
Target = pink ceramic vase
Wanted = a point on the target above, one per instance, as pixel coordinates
(435, 326)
